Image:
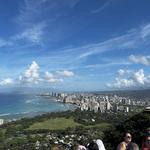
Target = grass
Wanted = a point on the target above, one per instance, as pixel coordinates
(2, 131)
(62, 124)
(102, 126)
(55, 124)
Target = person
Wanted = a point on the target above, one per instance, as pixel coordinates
(56, 148)
(124, 145)
(93, 146)
(146, 142)
(100, 144)
(81, 147)
(133, 146)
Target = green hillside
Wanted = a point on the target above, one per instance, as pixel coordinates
(72, 127)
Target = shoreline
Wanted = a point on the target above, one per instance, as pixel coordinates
(41, 104)
(8, 117)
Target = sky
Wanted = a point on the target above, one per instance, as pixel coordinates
(75, 45)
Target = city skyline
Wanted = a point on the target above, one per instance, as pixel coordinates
(75, 44)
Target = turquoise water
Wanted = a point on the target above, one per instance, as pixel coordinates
(27, 105)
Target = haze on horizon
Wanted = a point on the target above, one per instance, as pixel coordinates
(75, 44)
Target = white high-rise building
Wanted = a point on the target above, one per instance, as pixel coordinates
(1, 121)
(127, 109)
(108, 105)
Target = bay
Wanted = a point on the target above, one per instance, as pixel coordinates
(14, 106)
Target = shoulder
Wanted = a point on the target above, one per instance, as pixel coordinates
(121, 146)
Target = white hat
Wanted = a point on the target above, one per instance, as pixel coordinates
(100, 144)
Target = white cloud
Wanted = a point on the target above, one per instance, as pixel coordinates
(121, 42)
(130, 40)
(4, 43)
(123, 83)
(31, 75)
(49, 75)
(121, 72)
(145, 32)
(101, 8)
(33, 34)
(136, 80)
(139, 59)
(139, 76)
(65, 73)
(7, 81)
(107, 64)
(50, 78)
(57, 78)
(29, 11)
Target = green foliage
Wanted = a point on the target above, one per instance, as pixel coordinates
(109, 127)
(136, 125)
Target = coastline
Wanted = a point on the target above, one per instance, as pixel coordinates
(51, 104)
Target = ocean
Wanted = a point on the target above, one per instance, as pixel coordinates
(15, 106)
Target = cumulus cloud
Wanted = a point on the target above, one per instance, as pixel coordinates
(31, 75)
(58, 76)
(124, 72)
(139, 59)
(7, 81)
(136, 79)
(121, 83)
(121, 72)
(50, 78)
(65, 73)
(139, 76)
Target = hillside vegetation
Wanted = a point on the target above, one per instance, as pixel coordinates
(72, 128)
(136, 125)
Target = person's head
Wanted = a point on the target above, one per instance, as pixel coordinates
(93, 146)
(148, 137)
(148, 130)
(133, 146)
(147, 134)
(127, 137)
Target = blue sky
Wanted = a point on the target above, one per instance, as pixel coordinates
(75, 44)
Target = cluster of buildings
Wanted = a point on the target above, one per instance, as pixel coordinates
(98, 102)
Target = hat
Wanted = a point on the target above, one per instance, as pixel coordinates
(100, 144)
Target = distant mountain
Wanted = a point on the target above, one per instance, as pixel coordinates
(136, 94)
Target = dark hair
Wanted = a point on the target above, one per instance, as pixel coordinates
(148, 129)
(93, 146)
(133, 146)
(125, 133)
